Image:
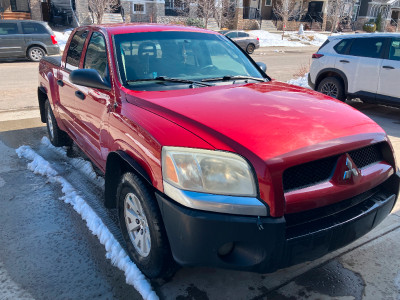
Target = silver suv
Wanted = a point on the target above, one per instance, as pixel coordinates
(365, 66)
(31, 39)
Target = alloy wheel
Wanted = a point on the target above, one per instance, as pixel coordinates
(137, 225)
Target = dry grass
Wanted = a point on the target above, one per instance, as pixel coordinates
(301, 71)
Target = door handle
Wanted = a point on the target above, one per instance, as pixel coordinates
(80, 95)
(344, 61)
(60, 82)
(388, 67)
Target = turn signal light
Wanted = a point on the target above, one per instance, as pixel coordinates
(317, 55)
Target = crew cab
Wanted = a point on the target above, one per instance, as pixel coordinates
(208, 161)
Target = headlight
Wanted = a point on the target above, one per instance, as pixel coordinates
(211, 180)
(206, 171)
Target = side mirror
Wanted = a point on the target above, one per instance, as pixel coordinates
(262, 66)
(89, 78)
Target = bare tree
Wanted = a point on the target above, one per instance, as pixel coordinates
(224, 12)
(286, 10)
(99, 7)
(339, 11)
(206, 10)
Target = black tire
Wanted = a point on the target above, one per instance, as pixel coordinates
(57, 137)
(158, 262)
(332, 87)
(250, 48)
(36, 53)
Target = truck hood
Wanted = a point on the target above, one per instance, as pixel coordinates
(269, 119)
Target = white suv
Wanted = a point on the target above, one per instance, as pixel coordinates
(365, 66)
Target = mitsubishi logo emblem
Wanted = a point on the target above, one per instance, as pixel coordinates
(351, 171)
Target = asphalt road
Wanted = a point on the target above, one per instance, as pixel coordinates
(47, 252)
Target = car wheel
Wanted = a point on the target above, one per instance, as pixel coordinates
(332, 87)
(250, 48)
(57, 137)
(36, 53)
(143, 229)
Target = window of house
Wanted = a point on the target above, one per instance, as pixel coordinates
(33, 28)
(367, 47)
(75, 50)
(138, 8)
(96, 55)
(8, 28)
(394, 53)
(268, 2)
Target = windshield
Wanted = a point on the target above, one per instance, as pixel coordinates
(148, 60)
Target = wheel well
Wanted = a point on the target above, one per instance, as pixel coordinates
(41, 47)
(118, 163)
(330, 74)
(42, 97)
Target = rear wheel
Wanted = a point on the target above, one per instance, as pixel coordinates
(36, 53)
(57, 137)
(250, 48)
(143, 229)
(332, 87)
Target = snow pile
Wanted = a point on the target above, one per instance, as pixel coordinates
(309, 38)
(291, 38)
(83, 165)
(62, 37)
(300, 81)
(115, 252)
(274, 40)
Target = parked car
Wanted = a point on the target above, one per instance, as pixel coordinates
(245, 40)
(207, 160)
(365, 66)
(25, 38)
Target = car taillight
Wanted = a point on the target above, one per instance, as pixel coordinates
(317, 55)
(258, 38)
(53, 39)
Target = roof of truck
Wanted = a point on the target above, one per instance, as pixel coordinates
(147, 27)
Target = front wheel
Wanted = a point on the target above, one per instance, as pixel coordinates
(143, 229)
(332, 87)
(36, 53)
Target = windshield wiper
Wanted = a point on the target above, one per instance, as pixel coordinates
(164, 78)
(231, 77)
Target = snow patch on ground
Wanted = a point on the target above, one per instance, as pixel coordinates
(268, 39)
(83, 165)
(300, 81)
(290, 39)
(115, 252)
(62, 37)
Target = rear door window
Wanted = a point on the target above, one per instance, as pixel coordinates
(33, 28)
(394, 52)
(342, 46)
(367, 47)
(232, 35)
(242, 34)
(75, 50)
(8, 28)
(96, 55)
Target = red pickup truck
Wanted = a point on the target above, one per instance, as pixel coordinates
(208, 160)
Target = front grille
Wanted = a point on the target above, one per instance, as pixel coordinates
(366, 156)
(321, 170)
